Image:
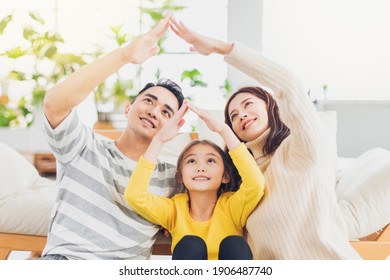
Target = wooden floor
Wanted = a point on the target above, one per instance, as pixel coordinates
(374, 247)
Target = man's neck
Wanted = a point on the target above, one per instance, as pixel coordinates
(132, 146)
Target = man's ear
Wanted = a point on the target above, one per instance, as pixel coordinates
(127, 108)
(225, 178)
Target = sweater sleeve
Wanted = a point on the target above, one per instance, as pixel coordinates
(156, 209)
(296, 109)
(243, 202)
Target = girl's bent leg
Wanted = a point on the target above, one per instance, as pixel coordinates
(190, 247)
(234, 247)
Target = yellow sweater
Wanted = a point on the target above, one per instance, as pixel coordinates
(231, 210)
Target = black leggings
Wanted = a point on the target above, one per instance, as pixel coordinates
(192, 247)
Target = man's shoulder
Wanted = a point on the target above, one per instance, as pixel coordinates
(163, 166)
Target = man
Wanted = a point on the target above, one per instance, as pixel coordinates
(91, 219)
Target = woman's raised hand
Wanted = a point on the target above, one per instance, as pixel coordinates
(200, 43)
(217, 126)
(205, 115)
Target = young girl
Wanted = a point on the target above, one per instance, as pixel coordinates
(207, 221)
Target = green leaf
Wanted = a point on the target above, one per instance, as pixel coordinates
(15, 53)
(30, 34)
(4, 22)
(68, 58)
(50, 51)
(36, 17)
(16, 75)
(226, 86)
(116, 29)
(38, 95)
(53, 37)
(121, 39)
(194, 76)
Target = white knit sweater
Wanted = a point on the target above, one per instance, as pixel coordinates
(298, 217)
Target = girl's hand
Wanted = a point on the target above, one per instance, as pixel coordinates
(171, 128)
(202, 44)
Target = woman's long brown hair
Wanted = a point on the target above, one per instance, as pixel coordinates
(278, 130)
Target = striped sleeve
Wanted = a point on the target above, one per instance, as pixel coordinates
(68, 139)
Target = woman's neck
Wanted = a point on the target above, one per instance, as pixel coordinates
(202, 205)
(256, 147)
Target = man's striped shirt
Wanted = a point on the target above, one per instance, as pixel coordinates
(91, 218)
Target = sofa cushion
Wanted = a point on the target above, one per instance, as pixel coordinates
(16, 172)
(363, 192)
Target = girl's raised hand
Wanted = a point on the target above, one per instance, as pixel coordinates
(171, 127)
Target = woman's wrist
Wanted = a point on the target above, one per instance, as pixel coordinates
(223, 48)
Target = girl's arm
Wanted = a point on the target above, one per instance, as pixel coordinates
(241, 203)
(167, 132)
(156, 209)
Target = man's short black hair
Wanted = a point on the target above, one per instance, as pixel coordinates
(169, 85)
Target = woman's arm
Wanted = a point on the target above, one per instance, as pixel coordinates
(296, 109)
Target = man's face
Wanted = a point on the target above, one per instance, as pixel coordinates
(150, 110)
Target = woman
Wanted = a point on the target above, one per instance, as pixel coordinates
(207, 221)
(298, 217)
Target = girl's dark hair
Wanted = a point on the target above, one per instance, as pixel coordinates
(167, 84)
(278, 130)
(228, 165)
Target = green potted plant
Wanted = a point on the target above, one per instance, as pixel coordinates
(41, 46)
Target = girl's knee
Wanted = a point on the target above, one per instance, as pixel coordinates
(190, 247)
(234, 247)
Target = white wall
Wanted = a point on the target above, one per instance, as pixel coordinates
(245, 26)
(361, 125)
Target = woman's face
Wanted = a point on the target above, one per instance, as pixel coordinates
(248, 115)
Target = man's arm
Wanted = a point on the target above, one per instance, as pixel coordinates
(63, 97)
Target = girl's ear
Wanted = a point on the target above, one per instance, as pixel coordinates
(179, 178)
(225, 178)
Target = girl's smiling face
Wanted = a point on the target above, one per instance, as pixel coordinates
(202, 169)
